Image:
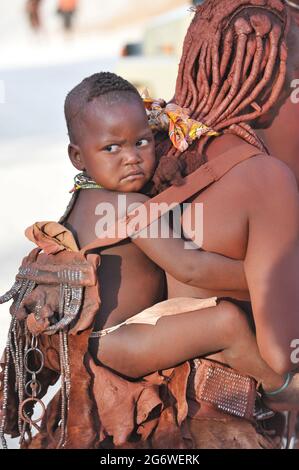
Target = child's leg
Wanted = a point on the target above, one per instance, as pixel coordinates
(138, 349)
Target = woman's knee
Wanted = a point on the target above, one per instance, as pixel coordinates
(234, 319)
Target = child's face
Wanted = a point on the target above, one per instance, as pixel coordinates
(116, 145)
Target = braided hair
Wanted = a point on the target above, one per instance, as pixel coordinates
(232, 71)
(102, 84)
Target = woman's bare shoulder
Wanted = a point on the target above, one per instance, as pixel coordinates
(264, 172)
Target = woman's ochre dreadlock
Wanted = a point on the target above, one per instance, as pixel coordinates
(232, 71)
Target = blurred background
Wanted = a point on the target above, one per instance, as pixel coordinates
(47, 47)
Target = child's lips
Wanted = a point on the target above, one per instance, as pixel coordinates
(133, 175)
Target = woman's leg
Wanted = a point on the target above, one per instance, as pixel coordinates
(136, 350)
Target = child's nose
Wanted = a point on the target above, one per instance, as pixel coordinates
(132, 156)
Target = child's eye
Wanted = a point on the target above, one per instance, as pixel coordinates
(142, 142)
(112, 148)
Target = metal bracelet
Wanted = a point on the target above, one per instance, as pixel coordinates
(282, 388)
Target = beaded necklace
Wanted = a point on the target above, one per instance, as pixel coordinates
(81, 181)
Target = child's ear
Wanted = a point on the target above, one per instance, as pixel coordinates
(75, 156)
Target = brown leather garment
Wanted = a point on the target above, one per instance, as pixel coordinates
(228, 432)
(109, 411)
(47, 272)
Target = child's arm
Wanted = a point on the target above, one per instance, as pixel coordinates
(194, 267)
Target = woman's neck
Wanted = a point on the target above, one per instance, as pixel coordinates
(282, 138)
(221, 144)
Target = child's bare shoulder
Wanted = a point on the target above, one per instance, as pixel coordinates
(128, 201)
(136, 197)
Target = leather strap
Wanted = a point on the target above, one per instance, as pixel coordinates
(200, 179)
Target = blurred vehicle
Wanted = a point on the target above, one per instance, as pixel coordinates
(132, 49)
(154, 63)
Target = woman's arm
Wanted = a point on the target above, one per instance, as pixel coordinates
(272, 261)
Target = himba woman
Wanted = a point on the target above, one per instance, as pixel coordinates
(238, 62)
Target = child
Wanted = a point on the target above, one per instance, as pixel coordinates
(111, 142)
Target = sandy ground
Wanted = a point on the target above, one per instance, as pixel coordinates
(100, 29)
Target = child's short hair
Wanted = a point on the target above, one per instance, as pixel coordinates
(92, 87)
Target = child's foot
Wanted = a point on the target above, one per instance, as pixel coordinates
(287, 399)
